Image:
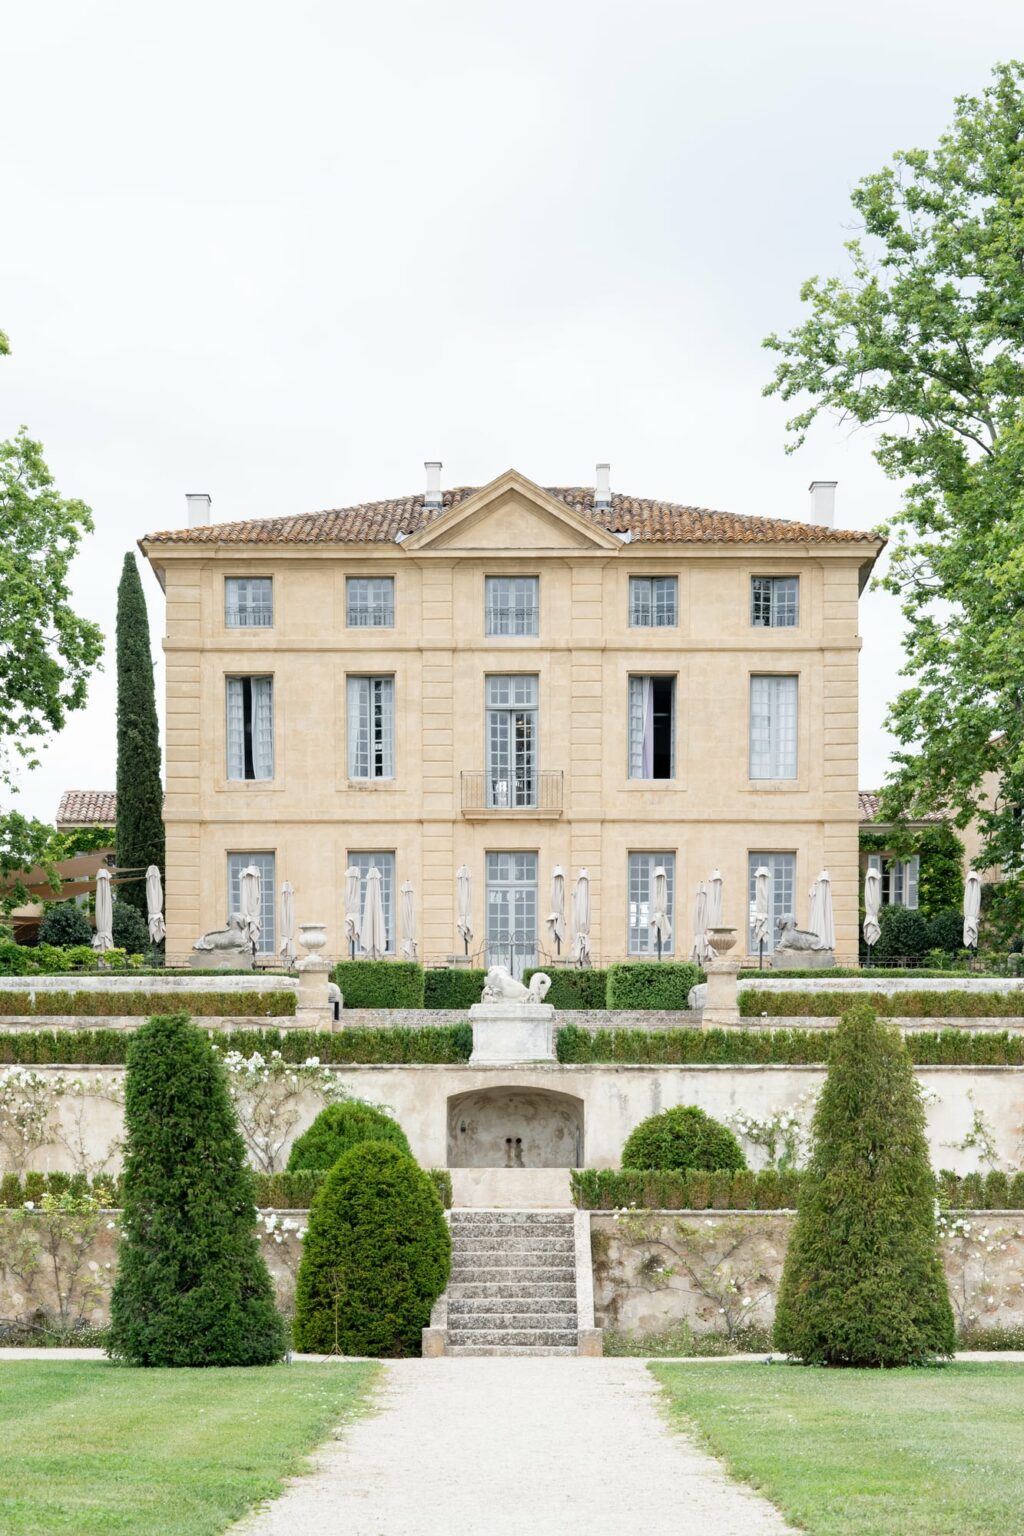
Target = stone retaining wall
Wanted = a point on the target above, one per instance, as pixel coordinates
(655, 1271)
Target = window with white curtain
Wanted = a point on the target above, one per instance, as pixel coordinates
(385, 862)
(773, 702)
(653, 602)
(781, 869)
(248, 602)
(652, 728)
(899, 879)
(641, 898)
(774, 602)
(371, 727)
(250, 727)
(370, 602)
(264, 862)
(512, 605)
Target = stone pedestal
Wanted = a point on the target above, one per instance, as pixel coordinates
(510, 1032)
(722, 1001)
(802, 960)
(313, 1008)
(221, 959)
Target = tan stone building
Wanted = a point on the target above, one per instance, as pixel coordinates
(513, 679)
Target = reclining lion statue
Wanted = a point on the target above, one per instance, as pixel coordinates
(792, 937)
(502, 987)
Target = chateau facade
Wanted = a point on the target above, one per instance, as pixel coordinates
(511, 679)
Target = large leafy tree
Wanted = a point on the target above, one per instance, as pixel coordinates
(47, 650)
(922, 340)
(140, 825)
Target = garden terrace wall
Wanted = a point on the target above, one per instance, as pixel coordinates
(613, 1098)
(656, 1271)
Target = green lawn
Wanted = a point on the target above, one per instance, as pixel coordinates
(92, 1448)
(867, 1453)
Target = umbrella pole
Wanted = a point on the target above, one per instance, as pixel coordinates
(659, 943)
(760, 954)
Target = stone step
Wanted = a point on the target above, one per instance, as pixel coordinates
(516, 1278)
(467, 1350)
(512, 1258)
(508, 1306)
(538, 1338)
(525, 1248)
(498, 1322)
(524, 1290)
(489, 1231)
(485, 1216)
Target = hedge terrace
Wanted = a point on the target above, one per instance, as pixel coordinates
(266, 1005)
(611, 1189)
(274, 1191)
(903, 1005)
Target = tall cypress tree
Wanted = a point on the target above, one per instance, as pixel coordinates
(140, 820)
(863, 1282)
(192, 1287)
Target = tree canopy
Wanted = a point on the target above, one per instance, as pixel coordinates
(922, 340)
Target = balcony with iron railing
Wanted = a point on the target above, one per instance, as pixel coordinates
(487, 795)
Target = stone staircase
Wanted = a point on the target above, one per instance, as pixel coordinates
(513, 1283)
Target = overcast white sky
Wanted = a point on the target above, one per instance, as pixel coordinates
(283, 254)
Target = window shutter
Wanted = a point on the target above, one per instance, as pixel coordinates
(910, 879)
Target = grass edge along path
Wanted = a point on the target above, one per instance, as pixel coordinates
(930, 1452)
(90, 1448)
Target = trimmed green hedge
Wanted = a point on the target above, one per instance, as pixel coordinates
(380, 983)
(452, 987)
(650, 984)
(573, 988)
(610, 1189)
(274, 1191)
(205, 1005)
(866, 973)
(108, 1047)
(904, 1005)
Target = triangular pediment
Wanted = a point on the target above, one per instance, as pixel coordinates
(515, 516)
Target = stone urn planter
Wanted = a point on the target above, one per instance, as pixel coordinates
(722, 940)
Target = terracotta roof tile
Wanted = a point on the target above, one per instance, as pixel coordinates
(87, 808)
(869, 802)
(649, 522)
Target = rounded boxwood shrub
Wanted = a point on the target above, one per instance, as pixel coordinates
(192, 1288)
(946, 932)
(904, 935)
(339, 1127)
(863, 1283)
(130, 929)
(65, 924)
(681, 1139)
(375, 1258)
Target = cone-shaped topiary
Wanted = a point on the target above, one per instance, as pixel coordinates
(863, 1282)
(375, 1258)
(140, 796)
(339, 1127)
(682, 1139)
(192, 1287)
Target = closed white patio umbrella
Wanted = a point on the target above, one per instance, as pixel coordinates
(661, 928)
(373, 936)
(353, 895)
(762, 899)
(464, 905)
(872, 907)
(103, 938)
(556, 917)
(715, 899)
(972, 909)
(581, 919)
(821, 919)
(702, 950)
(408, 921)
(155, 904)
(287, 950)
(250, 903)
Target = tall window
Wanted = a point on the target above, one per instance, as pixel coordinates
(264, 862)
(781, 869)
(512, 910)
(641, 901)
(653, 602)
(512, 741)
(385, 862)
(899, 879)
(248, 602)
(773, 727)
(652, 728)
(512, 605)
(370, 602)
(775, 601)
(250, 702)
(371, 727)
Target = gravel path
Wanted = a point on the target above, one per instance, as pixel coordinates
(496, 1446)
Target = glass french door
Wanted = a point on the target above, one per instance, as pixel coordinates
(512, 910)
(511, 742)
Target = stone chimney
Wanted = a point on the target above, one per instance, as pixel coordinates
(198, 504)
(432, 500)
(823, 503)
(603, 487)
